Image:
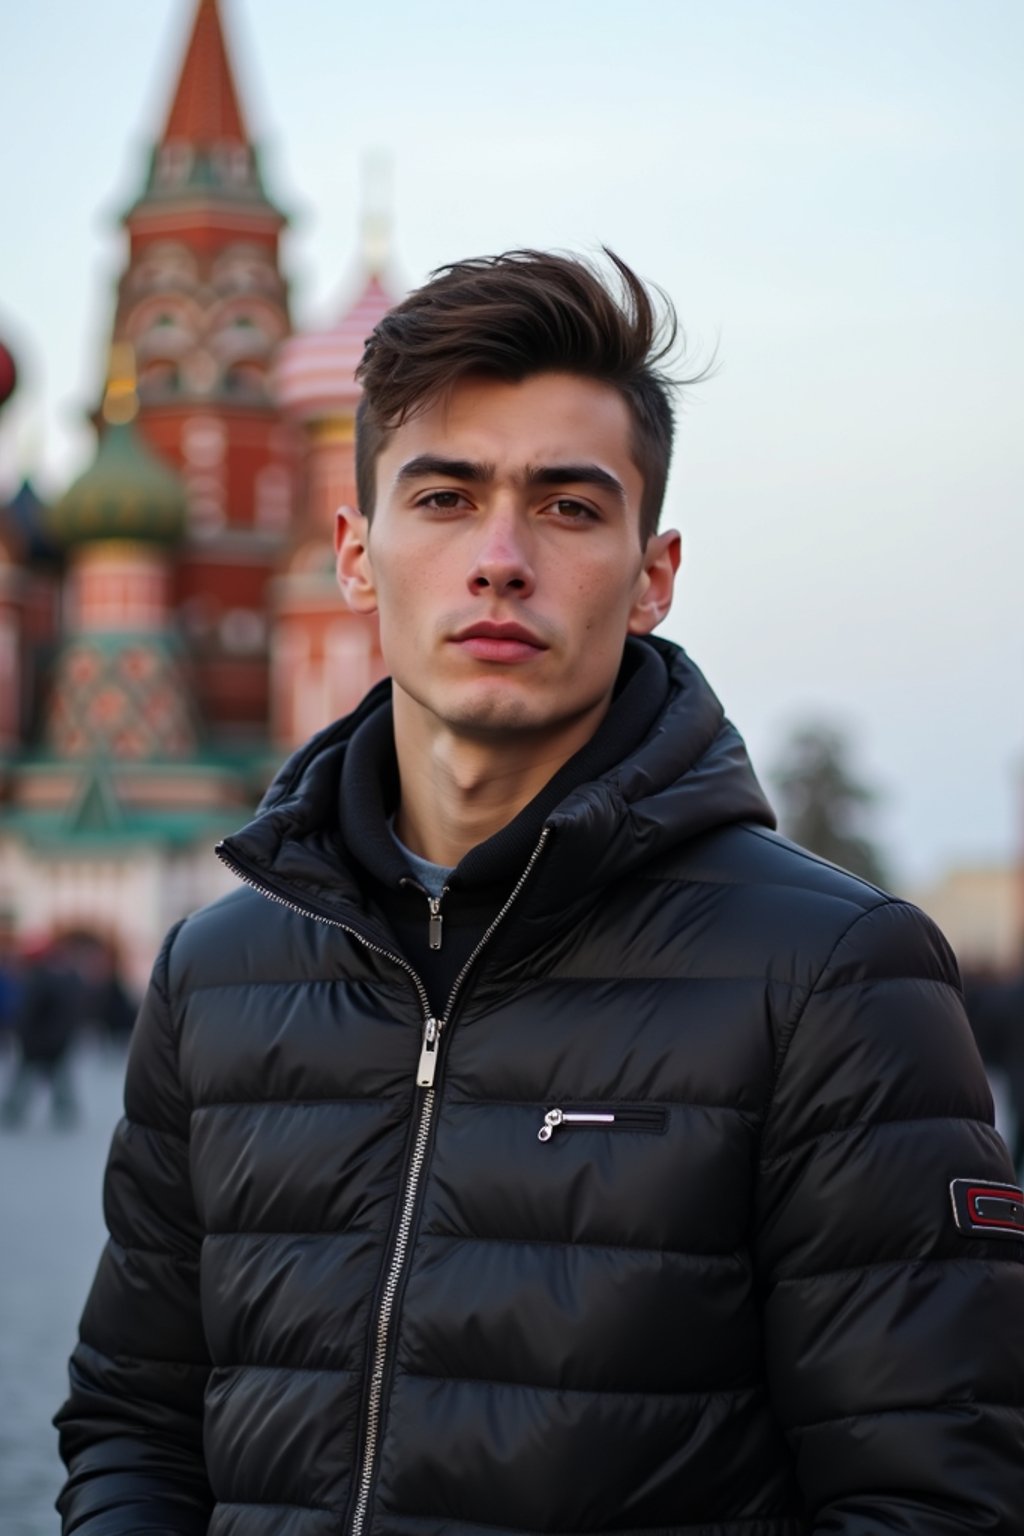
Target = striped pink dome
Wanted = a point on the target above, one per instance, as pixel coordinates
(314, 376)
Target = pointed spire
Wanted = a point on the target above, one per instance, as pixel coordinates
(205, 109)
(120, 399)
(376, 215)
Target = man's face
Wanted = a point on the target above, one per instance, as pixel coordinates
(504, 555)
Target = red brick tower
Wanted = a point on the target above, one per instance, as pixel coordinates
(325, 656)
(204, 306)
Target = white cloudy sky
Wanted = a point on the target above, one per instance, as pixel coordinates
(830, 193)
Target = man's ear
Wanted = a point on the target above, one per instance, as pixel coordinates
(352, 563)
(656, 582)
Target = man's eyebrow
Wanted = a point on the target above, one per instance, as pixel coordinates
(576, 474)
(432, 464)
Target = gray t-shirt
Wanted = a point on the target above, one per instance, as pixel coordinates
(433, 877)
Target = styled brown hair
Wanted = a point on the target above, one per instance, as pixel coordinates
(512, 316)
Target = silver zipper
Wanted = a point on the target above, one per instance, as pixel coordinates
(435, 920)
(556, 1117)
(428, 1066)
(431, 1025)
(319, 917)
(428, 1054)
(435, 923)
(387, 1303)
(432, 1028)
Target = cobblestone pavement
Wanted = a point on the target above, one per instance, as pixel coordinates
(52, 1229)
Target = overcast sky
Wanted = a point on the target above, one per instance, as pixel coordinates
(830, 193)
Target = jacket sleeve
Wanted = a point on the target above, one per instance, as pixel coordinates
(131, 1429)
(894, 1343)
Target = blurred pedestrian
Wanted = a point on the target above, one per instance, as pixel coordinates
(107, 1009)
(48, 1017)
(10, 988)
(1014, 1064)
(995, 1007)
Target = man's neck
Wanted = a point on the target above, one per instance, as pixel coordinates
(458, 790)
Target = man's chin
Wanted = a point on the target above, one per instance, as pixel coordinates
(493, 713)
(488, 707)
(498, 708)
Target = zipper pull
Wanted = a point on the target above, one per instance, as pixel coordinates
(435, 922)
(553, 1118)
(428, 1054)
(556, 1117)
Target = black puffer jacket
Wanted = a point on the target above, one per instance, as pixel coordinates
(732, 1300)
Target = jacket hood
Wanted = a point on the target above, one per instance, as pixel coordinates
(689, 775)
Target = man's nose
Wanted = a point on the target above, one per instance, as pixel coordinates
(502, 561)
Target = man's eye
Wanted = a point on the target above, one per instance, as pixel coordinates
(573, 511)
(441, 501)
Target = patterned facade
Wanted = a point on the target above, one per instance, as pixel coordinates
(172, 626)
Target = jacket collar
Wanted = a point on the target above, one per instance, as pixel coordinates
(688, 775)
(370, 783)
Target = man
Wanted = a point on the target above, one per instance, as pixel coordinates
(535, 1141)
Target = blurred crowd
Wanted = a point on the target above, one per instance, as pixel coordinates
(52, 995)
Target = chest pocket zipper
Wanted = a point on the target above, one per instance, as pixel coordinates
(624, 1117)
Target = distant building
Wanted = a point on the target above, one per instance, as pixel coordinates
(978, 908)
(171, 626)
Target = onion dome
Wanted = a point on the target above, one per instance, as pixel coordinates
(8, 374)
(127, 492)
(315, 373)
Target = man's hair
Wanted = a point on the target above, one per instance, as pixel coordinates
(512, 316)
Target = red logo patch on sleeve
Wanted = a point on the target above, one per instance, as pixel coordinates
(987, 1210)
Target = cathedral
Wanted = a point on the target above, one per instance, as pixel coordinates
(170, 628)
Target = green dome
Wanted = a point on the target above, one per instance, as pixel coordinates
(126, 493)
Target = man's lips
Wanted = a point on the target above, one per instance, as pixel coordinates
(498, 642)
